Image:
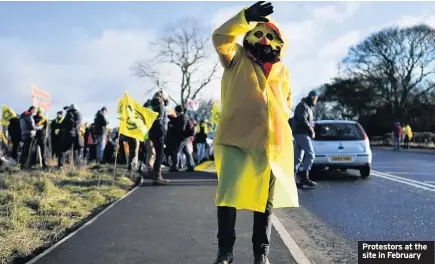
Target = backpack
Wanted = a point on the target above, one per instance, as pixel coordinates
(189, 130)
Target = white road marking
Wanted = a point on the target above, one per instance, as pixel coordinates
(290, 243)
(400, 179)
(430, 182)
(405, 179)
(410, 173)
(34, 260)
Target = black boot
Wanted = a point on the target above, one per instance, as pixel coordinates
(305, 179)
(261, 259)
(224, 258)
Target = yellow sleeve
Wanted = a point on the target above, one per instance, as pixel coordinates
(290, 92)
(225, 37)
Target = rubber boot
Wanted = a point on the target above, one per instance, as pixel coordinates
(305, 179)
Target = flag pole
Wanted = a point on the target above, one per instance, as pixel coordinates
(117, 146)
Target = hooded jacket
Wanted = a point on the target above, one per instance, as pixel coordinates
(27, 125)
(303, 118)
(253, 138)
(100, 123)
(160, 125)
(72, 122)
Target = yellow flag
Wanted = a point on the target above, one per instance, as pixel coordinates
(7, 114)
(215, 114)
(136, 120)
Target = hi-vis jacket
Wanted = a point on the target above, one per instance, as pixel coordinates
(254, 119)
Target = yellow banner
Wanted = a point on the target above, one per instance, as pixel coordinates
(136, 120)
(7, 114)
(215, 114)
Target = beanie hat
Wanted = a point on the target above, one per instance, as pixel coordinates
(314, 92)
(59, 113)
(179, 109)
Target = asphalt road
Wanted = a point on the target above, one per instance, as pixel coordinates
(395, 203)
(172, 224)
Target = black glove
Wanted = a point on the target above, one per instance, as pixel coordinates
(258, 12)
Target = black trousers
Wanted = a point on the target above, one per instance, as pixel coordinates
(159, 146)
(27, 153)
(41, 142)
(261, 230)
(406, 142)
(15, 149)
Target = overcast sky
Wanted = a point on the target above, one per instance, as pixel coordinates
(81, 52)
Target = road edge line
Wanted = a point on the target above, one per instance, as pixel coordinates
(289, 242)
(48, 250)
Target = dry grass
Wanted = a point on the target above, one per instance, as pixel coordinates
(38, 208)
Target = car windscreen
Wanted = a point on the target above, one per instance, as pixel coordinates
(338, 131)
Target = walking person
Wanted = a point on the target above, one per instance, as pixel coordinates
(100, 127)
(201, 141)
(184, 129)
(407, 131)
(303, 133)
(253, 140)
(397, 135)
(157, 134)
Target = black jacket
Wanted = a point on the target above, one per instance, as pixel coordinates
(27, 125)
(201, 136)
(303, 118)
(57, 129)
(14, 129)
(72, 122)
(160, 125)
(100, 122)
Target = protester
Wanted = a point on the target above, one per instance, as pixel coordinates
(244, 148)
(201, 141)
(71, 141)
(157, 134)
(57, 134)
(100, 123)
(183, 131)
(397, 134)
(41, 136)
(408, 135)
(14, 131)
(303, 133)
(28, 133)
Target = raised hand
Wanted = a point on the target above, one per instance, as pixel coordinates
(258, 12)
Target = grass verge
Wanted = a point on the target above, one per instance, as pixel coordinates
(38, 208)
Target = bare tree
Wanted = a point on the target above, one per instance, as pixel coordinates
(396, 63)
(186, 46)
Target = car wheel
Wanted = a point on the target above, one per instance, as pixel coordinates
(365, 172)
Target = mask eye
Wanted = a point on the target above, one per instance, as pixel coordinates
(269, 36)
(258, 34)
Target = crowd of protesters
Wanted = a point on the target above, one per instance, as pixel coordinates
(171, 141)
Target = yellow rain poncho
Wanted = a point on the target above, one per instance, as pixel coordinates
(253, 137)
(407, 131)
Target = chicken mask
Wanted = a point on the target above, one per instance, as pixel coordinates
(264, 43)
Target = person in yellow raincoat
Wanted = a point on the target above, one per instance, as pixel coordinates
(253, 143)
(407, 131)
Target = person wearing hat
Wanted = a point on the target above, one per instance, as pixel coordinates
(56, 134)
(303, 133)
(41, 135)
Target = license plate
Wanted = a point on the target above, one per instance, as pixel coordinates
(341, 158)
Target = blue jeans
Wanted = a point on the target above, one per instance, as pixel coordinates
(303, 145)
(101, 144)
(396, 143)
(200, 151)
